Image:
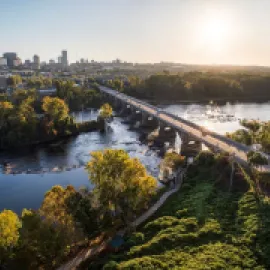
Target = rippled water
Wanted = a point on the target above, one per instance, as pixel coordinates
(32, 173)
(239, 111)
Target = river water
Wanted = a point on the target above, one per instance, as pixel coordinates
(33, 172)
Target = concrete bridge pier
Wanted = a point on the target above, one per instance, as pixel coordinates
(166, 134)
(125, 110)
(148, 122)
(135, 117)
(190, 146)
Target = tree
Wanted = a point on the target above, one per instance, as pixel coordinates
(5, 110)
(9, 233)
(42, 244)
(241, 136)
(256, 158)
(122, 185)
(173, 160)
(55, 108)
(105, 111)
(14, 80)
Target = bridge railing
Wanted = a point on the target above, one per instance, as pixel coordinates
(213, 134)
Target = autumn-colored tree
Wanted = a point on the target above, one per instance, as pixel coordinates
(55, 108)
(122, 185)
(14, 80)
(9, 234)
(105, 111)
(56, 209)
(5, 110)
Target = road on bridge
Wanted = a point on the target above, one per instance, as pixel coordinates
(237, 150)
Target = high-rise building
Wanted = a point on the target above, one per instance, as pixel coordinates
(10, 56)
(51, 61)
(36, 62)
(64, 58)
(59, 59)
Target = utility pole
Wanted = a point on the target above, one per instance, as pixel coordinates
(232, 155)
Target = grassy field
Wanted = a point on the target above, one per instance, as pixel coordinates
(208, 224)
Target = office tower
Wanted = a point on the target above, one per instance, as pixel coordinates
(36, 62)
(64, 58)
(10, 56)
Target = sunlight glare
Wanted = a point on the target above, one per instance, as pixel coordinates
(215, 31)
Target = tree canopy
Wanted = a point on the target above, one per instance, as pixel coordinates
(122, 185)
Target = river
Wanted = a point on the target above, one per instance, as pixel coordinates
(35, 171)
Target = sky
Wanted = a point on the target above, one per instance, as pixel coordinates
(183, 31)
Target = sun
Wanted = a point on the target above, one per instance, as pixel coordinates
(214, 32)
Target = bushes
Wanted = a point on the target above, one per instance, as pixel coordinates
(205, 158)
(205, 227)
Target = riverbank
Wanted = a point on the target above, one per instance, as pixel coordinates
(76, 129)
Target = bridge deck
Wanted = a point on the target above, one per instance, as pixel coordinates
(237, 150)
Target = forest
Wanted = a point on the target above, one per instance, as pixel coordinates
(196, 86)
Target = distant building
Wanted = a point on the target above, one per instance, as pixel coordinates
(36, 62)
(10, 56)
(64, 58)
(17, 62)
(27, 62)
(60, 60)
(3, 61)
(51, 61)
(3, 83)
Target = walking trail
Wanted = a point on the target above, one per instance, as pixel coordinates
(92, 251)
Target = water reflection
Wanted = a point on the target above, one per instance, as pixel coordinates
(220, 123)
(33, 172)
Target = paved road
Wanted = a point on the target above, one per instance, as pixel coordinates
(211, 139)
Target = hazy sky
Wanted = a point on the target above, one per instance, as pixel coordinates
(186, 31)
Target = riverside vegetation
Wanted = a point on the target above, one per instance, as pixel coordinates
(26, 118)
(67, 219)
(211, 223)
(200, 86)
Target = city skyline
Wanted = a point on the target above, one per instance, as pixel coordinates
(192, 31)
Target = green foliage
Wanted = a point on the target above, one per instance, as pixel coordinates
(39, 82)
(77, 98)
(256, 158)
(241, 136)
(173, 160)
(205, 158)
(122, 185)
(42, 244)
(252, 125)
(257, 133)
(204, 226)
(196, 86)
(14, 80)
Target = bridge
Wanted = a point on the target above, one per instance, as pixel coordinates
(188, 131)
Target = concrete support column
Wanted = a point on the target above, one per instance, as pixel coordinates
(166, 134)
(148, 122)
(189, 146)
